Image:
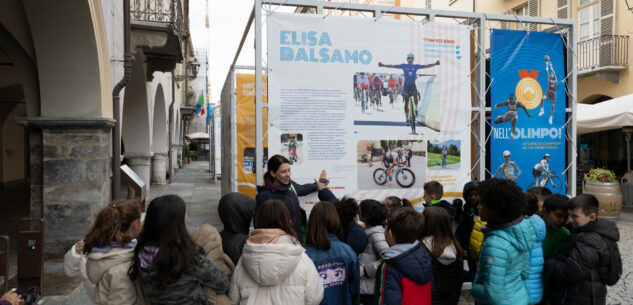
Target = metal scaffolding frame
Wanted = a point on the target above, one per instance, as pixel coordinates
(479, 84)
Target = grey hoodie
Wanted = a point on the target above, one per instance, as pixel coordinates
(370, 258)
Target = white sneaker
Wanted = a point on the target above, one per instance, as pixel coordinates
(541, 112)
(550, 120)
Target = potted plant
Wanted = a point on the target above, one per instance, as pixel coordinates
(604, 185)
(186, 154)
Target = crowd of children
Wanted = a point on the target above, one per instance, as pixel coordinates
(514, 247)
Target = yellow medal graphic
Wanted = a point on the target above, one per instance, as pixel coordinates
(528, 91)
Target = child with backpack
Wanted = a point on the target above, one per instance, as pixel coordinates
(405, 273)
(588, 260)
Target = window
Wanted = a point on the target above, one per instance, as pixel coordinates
(589, 19)
(521, 11)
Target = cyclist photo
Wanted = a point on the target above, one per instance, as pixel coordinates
(291, 144)
(541, 169)
(444, 155)
(399, 164)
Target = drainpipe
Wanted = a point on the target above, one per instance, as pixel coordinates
(116, 101)
(171, 123)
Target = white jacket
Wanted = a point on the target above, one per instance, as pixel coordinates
(75, 265)
(109, 272)
(276, 274)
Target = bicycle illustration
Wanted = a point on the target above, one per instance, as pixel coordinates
(551, 178)
(404, 176)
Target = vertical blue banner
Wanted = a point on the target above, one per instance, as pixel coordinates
(528, 101)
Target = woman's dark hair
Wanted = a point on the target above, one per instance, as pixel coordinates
(347, 210)
(437, 223)
(273, 165)
(392, 203)
(587, 202)
(273, 214)
(503, 198)
(531, 204)
(165, 228)
(323, 221)
(374, 212)
(113, 224)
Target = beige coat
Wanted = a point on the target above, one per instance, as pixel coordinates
(109, 273)
(207, 237)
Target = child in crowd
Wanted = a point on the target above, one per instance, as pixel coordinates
(171, 267)
(508, 236)
(583, 265)
(542, 193)
(534, 283)
(393, 203)
(274, 269)
(466, 232)
(373, 214)
(335, 261)
(433, 192)
(554, 215)
(406, 273)
(446, 256)
(351, 232)
(109, 248)
(236, 213)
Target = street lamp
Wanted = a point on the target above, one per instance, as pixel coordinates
(194, 65)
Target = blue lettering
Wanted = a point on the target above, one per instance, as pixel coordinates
(283, 37)
(286, 54)
(325, 39)
(294, 39)
(301, 55)
(323, 53)
(336, 56)
(312, 58)
(351, 56)
(312, 40)
(365, 57)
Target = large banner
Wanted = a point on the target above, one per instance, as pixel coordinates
(528, 108)
(245, 126)
(337, 89)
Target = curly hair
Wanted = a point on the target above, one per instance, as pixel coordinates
(374, 213)
(504, 198)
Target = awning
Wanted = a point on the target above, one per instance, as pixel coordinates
(612, 114)
(197, 136)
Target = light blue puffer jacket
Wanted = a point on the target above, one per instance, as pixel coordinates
(534, 283)
(503, 264)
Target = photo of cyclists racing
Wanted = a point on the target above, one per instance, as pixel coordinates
(292, 147)
(444, 155)
(390, 164)
(399, 98)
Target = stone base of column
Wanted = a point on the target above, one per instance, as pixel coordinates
(70, 176)
(141, 164)
(159, 168)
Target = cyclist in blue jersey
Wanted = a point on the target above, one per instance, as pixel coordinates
(409, 88)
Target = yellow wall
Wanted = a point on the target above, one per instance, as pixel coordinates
(13, 146)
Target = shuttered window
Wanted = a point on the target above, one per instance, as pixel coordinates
(589, 19)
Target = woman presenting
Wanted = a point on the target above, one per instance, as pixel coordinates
(278, 185)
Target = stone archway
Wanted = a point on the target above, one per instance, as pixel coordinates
(135, 127)
(159, 138)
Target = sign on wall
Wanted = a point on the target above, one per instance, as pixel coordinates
(528, 101)
(345, 91)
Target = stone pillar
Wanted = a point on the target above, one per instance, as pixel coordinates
(159, 168)
(70, 176)
(141, 164)
(177, 156)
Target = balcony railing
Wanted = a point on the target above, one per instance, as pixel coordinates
(168, 12)
(605, 51)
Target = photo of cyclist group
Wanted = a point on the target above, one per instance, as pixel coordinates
(390, 164)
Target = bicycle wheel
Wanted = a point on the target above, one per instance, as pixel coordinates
(380, 176)
(557, 184)
(405, 177)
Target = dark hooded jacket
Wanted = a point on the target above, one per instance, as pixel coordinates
(581, 264)
(289, 195)
(465, 219)
(405, 275)
(236, 212)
